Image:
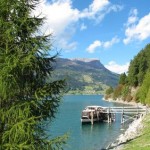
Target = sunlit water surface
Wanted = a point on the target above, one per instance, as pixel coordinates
(87, 136)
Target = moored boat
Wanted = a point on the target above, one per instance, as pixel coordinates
(92, 114)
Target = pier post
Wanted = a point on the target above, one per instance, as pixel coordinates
(110, 119)
(122, 116)
(109, 115)
(97, 115)
(137, 112)
(114, 117)
(92, 118)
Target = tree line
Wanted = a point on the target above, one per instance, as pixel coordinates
(135, 85)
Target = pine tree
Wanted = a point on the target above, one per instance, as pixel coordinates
(144, 90)
(123, 79)
(139, 66)
(27, 101)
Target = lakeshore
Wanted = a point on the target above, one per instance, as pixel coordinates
(141, 142)
(134, 131)
(120, 101)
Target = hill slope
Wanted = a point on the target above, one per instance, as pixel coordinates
(135, 86)
(85, 75)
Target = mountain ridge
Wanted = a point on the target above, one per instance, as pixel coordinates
(85, 75)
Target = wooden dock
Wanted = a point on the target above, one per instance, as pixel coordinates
(108, 114)
(127, 113)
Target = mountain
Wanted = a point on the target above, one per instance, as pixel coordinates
(85, 75)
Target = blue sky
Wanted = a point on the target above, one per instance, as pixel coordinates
(113, 31)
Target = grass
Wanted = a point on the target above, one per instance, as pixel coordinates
(143, 141)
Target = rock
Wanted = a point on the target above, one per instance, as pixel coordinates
(132, 132)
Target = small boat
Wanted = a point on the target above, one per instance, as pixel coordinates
(92, 114)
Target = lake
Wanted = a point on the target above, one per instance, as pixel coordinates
(87, 136)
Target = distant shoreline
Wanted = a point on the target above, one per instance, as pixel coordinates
(110, 99)
(124, 102)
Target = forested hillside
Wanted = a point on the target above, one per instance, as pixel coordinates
(139, 67)
(85, 76)
(136, 84)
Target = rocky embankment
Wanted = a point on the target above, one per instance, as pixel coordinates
(131, 133)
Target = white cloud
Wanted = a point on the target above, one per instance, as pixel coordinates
(83, 27)
(98, 9)
(133, 17)
(96, 44)
(137, 29)
(114, 67)
(95, 10)
(108, 44)
(68, 46)
(61, 17)
(98, 5)
(93, 46)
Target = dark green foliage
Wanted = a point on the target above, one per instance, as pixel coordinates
(138, 77)
(123, 79)
(143, 94)
(26, 100)
(126, 93)
(139, 66)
